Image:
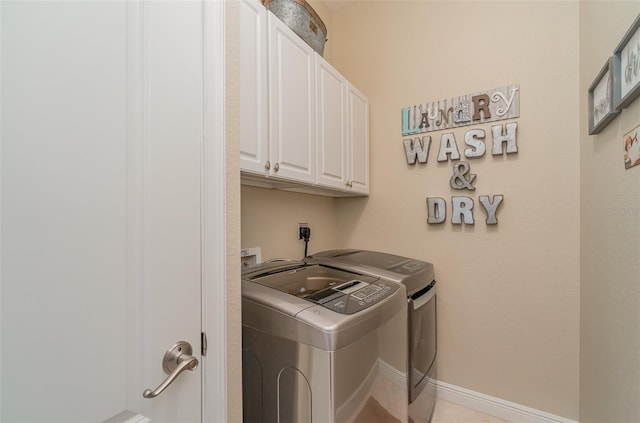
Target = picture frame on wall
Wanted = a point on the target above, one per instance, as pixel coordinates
(604, 94)
(631, 142)
(627, 60)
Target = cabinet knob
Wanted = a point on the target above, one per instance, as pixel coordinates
(276, 167)
(267, 165)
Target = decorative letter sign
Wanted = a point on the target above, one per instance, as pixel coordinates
(501, 136)
(448, 148)
(489, 106)
(462, 210)
(459, 179)
(474, 138)
(417, 148)
(491, 207)
(437, 209)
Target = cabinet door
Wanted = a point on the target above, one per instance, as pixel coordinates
(358, 137)
(291, 104)
(254, 135)
(331, 91)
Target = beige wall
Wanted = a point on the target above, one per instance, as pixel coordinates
(270, 221)
(610, 229)
(508, 296)
(232, 205)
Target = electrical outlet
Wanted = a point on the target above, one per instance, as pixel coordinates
(300, 226)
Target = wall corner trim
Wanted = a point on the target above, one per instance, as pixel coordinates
(493, 406)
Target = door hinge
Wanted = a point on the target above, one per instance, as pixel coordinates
(203, 342)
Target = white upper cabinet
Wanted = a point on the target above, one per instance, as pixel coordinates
(331, 96)
(303, 126)
(343, 132)
(291, 104)
(254, 129)
(358, 140)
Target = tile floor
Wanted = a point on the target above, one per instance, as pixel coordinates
(446, 412)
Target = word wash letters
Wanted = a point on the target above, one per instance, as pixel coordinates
(504, 138)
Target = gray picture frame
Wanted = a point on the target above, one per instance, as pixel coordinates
(627, 60)
(604, 94)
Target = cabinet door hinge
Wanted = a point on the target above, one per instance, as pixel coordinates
(203, 343)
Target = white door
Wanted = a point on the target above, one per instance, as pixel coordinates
(103, 151)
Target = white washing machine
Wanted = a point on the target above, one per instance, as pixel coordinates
(322, 345)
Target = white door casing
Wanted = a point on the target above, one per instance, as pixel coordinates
(214, 252)
(168, 214)
(112, 165)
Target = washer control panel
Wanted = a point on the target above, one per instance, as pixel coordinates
(410, 267)
(354, 296)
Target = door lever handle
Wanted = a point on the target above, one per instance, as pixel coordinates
(176, 360)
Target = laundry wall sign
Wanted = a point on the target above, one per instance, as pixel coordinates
(489, 106)
(471, 109)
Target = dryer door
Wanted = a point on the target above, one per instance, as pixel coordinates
(422, 338)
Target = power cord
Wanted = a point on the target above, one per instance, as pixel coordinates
(306, 234)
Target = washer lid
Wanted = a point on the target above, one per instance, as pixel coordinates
(414, 274)
(338, 290)
(367, 258)
(311, 282)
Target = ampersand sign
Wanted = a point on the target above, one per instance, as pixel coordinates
(458, 180)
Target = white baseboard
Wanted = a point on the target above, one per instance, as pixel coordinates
(493, 406)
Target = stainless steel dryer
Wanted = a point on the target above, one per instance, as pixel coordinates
(419, 279)
(322, 345)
